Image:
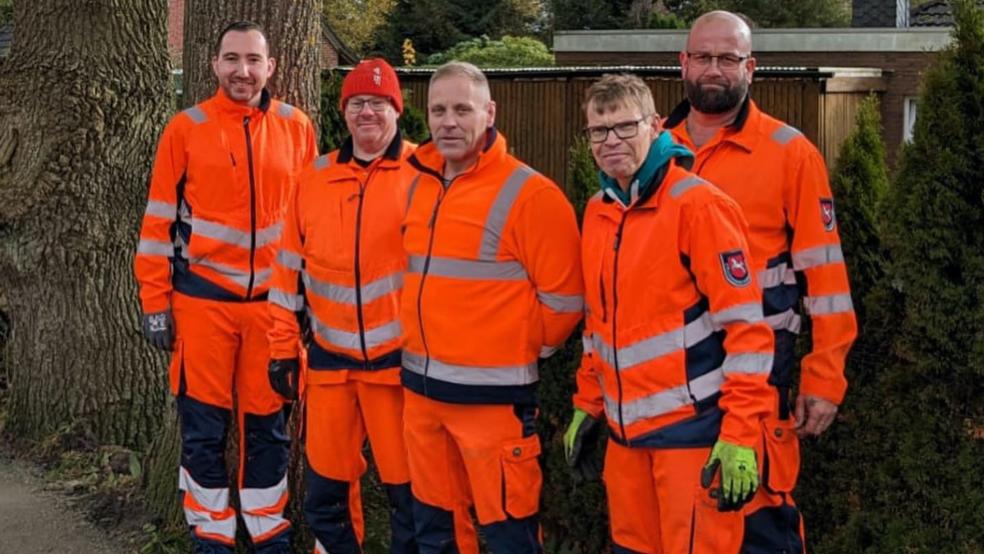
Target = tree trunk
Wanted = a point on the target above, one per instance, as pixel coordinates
(83, 97)
(293, 30)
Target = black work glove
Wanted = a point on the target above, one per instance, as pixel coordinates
(283, 376)
(581, 446)
(158, 329)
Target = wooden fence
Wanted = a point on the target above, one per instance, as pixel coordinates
(539, 110)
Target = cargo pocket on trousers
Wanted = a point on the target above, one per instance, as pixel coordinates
(175, 371)
(521, 477)
(782, 457)
(712, 531)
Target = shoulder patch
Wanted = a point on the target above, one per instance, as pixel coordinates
(684, 185)
(735, 267)
(784, 134)
(285, 110)
(197, 114)
(827, 214)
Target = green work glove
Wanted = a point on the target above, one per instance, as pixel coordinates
(580, 444)
(739, 475)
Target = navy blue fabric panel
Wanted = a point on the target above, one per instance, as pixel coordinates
(326, 509)
(203, 439)
(186, 282)
(320, 359)
(705, 356)
(514, 536)
(402, 540)
(267, 450)
(454, 393)
(695, 432)
(771, 530)
(526, 414)
(784, 359)
(277, 544)
(619, 549)
(779, 298)
(694, 312)
(433, 528)
(205, 546)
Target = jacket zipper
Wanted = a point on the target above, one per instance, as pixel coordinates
(252, 208)
(423, 276)
(618, 377)
(358, 271)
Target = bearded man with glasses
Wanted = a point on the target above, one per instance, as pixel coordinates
(780, 180)
(676, 350)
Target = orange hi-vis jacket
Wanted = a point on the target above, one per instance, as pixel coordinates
(341, 258)
(493, 281)
(218, 191)
(677, 352)
(779, 179)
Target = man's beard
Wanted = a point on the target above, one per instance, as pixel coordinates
(715, 101)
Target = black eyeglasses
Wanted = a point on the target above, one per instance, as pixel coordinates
(724, 61)
(623, 130)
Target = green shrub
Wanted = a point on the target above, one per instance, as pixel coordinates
(508, 52)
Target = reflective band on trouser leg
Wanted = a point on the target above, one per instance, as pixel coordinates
(207, 510)
(263, 489)
(263, 510)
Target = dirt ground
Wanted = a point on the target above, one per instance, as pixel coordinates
(34, 520)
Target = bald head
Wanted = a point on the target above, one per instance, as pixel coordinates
(720, 27)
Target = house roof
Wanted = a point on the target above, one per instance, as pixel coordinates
(936, 13)
(345, 54)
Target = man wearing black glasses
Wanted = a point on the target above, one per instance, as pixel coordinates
(779, 179)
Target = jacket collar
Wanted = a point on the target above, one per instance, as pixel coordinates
(347, 152)
(649, 178)
(742, 131)
(227, 106)
(428, 159)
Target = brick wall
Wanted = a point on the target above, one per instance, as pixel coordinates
(175, 30)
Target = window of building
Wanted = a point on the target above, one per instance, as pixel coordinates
(908, 118)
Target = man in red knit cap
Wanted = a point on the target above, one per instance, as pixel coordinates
(341, 261)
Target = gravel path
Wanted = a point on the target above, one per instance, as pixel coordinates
(36, 521)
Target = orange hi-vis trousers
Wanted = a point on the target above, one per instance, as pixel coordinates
(220, 363)
(485, 454)
(657, 506)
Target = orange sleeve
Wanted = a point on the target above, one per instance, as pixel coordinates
(310, 144)
(152, 265)
(714, 238)
(588, 396)
(286, 294)
(819, 262)
(548, 244)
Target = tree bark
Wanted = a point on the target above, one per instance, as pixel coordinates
(83, 97)
(293, 30)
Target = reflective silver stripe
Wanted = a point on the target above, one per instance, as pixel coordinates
(472, 375)
(821, 255)
(829, 304)
(155, 248)
(346, 295)
(469, 269)
(182, 246)
(547, 351)
(495, 222)
(749, 313)
(665, 401)
(318, 548)
(775, 276)
(289, 259)
(292, 302)
(642, 351)
(285, 110)
(346, 339)
(785, 321)
(586, 345)
(698, 330)
(163, 210)
(213, 500)
(322, 162)
(410, 192)
(241, 278)
(257, 505)
(562, 303)
(785, 134)
(261, 277)
(196, 114)
(753, 364)
(230, 235)
(683, 186)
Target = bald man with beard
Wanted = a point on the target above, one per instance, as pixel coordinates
(780, 181)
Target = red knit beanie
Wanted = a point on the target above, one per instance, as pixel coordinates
(376, 77)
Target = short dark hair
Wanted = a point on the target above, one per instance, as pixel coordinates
(240, 27)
